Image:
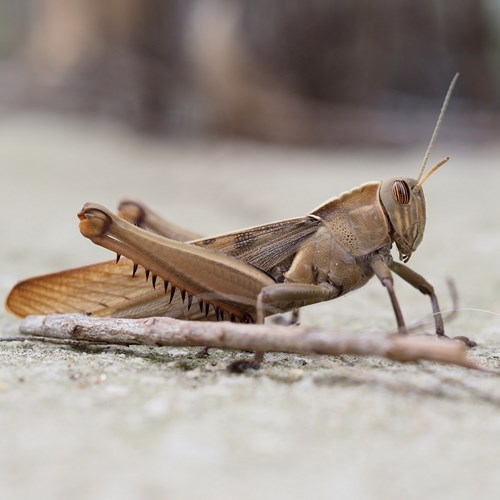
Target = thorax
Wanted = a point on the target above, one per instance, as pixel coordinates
(323, 259)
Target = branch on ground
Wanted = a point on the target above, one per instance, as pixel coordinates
(225, 335)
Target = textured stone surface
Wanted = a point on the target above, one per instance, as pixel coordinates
(160, 423)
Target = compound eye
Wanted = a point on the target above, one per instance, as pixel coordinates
(401, 192)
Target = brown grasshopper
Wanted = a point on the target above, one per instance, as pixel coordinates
(248, 274)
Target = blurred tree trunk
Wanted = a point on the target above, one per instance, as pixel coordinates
(300, 71)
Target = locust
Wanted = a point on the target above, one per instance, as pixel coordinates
(248, 274)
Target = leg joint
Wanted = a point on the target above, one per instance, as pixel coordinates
(426, 289)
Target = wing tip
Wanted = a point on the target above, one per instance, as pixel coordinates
(12, 305)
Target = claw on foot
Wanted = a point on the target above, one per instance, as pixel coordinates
(203, 353)
(466, 340)
(242, 365)
(461, 338)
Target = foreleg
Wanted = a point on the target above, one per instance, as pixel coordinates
(421, 284)
(384, 274)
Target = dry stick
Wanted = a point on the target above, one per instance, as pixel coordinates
(225, 335)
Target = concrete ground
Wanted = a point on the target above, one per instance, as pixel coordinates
(149, 423)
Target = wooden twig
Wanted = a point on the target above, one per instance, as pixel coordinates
(225, 335)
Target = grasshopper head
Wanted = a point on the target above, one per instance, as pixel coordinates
(404, 203)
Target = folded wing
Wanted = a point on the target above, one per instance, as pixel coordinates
(112, 289)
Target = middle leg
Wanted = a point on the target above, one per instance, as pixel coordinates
(281, 297)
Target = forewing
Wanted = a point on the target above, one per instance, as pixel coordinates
(266, 247)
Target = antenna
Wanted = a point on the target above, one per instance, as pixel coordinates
(431, 171)
(438, 125)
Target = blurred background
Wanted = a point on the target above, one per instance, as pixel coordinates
(314, 72)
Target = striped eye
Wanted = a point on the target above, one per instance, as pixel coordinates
(401, 192)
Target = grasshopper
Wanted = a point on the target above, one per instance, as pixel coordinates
(249, 274)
